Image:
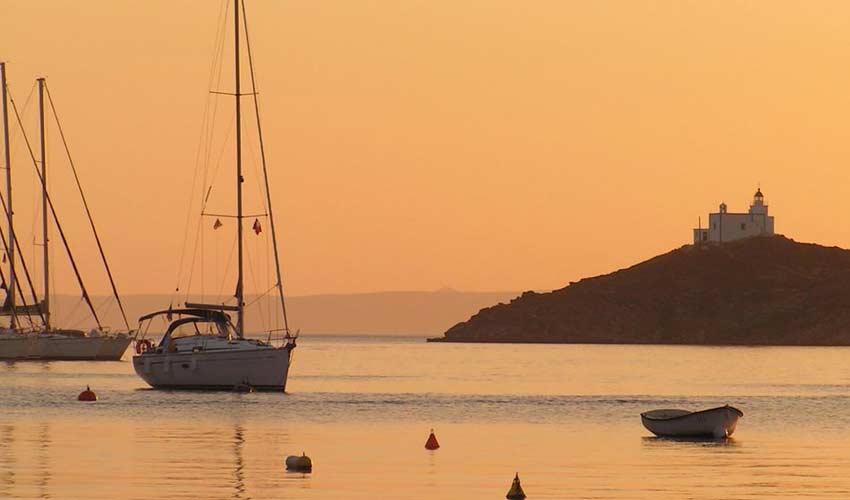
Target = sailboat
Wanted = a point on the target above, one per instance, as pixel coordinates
(202, 347)
(31, 333)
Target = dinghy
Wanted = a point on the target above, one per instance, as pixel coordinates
(713, 423)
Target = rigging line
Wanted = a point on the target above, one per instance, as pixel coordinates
(105, 306)
(26, 104)
(229, 260)
(209, 182)
(36, 200)
(215, 76)
(261, 295)
(23, 261)
(56, 220)
(30, 323)
(218, 59)
(3, 283)
(272, 311)
(203, 260)
(194, 258)
(218, 162)
(203, 236)
(74, 320)
(208, 135)
(252, 160)
(186, 226)
(88, 211)
(221, 26)
(189, 210)
(18, 282)
(265, 170)
(26, 273)
(217, 245)
(254, 282)
(217, 47)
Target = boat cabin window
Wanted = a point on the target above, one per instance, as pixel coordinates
(195, 328)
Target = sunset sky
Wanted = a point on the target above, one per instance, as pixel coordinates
(479, 145)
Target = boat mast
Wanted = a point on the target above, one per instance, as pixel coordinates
(46, 301)
(240, 314)
(11, 287)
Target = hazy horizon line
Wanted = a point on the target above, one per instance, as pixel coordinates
(322, 294)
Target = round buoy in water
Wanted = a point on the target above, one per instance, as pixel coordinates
(299, 464)
(515, 493)
(87, 395)
(431, 443)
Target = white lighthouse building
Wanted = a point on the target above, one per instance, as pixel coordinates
(726, 226)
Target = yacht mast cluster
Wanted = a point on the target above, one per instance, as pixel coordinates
(44, 340)
(211, 351)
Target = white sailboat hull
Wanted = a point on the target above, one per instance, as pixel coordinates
(17, 346)
(113, 348)
(263, 368)
(713, 423)
(58, 347)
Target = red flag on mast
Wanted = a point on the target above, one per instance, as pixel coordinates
(256, 227)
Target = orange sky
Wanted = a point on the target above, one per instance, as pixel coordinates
(483, 145)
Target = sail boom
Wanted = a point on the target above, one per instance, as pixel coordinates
(212, 307)
(27, 310)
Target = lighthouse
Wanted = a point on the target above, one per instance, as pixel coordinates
(724, 226)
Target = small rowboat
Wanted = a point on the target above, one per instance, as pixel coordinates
(713, 423)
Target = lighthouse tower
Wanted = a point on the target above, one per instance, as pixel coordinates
(758, 207)
(727, 226)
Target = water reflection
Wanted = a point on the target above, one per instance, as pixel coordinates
(7, 460)
(25, 470)
(238, 471)
(43, 460)
(689, 442)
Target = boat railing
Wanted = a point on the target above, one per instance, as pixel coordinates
(275, 338)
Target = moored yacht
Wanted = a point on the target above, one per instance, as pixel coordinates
(31, 334)
(202, 347)
(201, 350)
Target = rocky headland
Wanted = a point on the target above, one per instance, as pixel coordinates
(766, 290)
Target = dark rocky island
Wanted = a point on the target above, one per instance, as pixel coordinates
(766, 290)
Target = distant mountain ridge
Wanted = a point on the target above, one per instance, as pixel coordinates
(757, 291)
(381, 313)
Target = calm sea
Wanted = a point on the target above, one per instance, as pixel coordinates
(566, 417)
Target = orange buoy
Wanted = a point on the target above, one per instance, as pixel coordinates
(432, 443)
(515, 493)
(87, 395)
